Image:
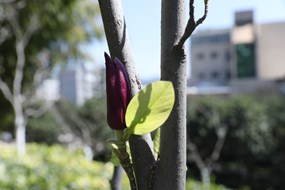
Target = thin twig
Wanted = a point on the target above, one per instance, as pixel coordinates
(192, 24)
(221, 134)
(195, 155)
(6, 91)
(201, 20)
(35, 113)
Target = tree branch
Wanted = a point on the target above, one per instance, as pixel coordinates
(4, 35)
(32, 28)
(6, 91)
(192, 24)
(221, 132)
(195, 155)
(30, 112)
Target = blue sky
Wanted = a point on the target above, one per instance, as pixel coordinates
(143, 25)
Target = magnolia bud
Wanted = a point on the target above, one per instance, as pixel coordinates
(118, 92)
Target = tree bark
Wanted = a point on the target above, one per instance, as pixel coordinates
(172, 165)
(119, 46)
(116, 181)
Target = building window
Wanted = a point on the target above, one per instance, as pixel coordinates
(228, 75)
(213, 55)
(227, 56)
(200, 56)
(245, 60)
(215, 75)
(201, 76)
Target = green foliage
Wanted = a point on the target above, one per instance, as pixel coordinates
(6, 118)
(88, 122)
(150, 108)
(55, 167)
(249, 125)
(253, 151)
(244, 118)
(43, 130)
(49, 168)
(63, 26)
(195, 185)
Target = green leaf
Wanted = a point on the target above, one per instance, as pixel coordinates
(150, 108)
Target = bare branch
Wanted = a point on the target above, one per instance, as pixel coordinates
(11, 17)
(221, 132)
(32, 28)
(201, 20)
(60, 120)
(21, 42)
(6, 91)
(82, 127)
(195, 155)
(30, 112)
(4, 35)
(39, 76)
(192, 24)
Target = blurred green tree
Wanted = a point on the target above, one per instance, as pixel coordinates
(246, 143)
(86, 123)
(36, 35)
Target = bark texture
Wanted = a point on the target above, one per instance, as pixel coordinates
(172, 165)
(119, 46)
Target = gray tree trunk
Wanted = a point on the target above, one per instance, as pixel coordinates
(172, 166)
(119, 46)
(116, 181)
(20, 125)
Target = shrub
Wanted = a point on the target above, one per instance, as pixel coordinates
(56, 168)
(43, 130)
(51, 168)
(245, 154)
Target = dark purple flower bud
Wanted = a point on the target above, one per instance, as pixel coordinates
(118, 92)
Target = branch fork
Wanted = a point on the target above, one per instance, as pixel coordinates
(192, 24)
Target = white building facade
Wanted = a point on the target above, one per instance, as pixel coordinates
(248, 55)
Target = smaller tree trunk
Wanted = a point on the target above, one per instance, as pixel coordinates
(20, 133)
(116, 181)
(206, 178)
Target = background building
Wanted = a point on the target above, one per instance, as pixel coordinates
(49, 90)
(210, 58)
(246, 57)
(77, 84)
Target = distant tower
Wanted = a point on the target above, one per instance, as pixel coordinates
(76, 84)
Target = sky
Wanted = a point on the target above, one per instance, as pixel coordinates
(143, 25)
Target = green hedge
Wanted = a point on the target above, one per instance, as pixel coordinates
(253, 152)
(51, 168)
(56, 168)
